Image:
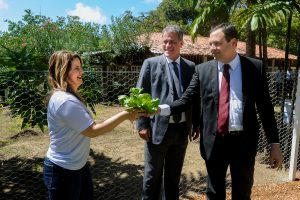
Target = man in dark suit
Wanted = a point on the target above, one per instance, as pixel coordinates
(232, 90)
(166, 77)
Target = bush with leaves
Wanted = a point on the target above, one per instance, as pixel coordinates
(91, 90)
(24, 52)
(26, 93)
(26, 87)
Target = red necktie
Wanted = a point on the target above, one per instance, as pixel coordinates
(223, 117)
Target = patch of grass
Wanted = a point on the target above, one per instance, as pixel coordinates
(32, 142)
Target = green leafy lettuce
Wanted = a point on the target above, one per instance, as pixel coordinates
(139, 100)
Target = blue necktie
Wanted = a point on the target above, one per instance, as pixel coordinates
(176, 88)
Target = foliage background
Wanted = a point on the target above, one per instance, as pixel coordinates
(28, 43)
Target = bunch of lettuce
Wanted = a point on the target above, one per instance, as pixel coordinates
(139, 100)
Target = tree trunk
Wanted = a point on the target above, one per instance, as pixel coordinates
(286, 61)
(287, 45)
(298, 57)
(250, 42)
(265, 47)
(260, 43)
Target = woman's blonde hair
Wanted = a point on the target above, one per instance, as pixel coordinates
(60, 64)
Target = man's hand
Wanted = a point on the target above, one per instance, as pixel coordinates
(145, 134)
(194, 134)
(157, 112)
(276, 157)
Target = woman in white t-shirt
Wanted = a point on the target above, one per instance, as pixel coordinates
(66, 173)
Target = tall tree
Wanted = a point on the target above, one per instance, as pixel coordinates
(251, 36)
(171, 11)
(264, 14)
(219, 11)
(268, 14)
(120, 40)
(208, 12)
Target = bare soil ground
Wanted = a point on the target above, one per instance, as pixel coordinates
(280, 191)
(273, 191)
(270, 184)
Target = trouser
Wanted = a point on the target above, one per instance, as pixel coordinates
(163, 164)
(64, 184)
(238, 152)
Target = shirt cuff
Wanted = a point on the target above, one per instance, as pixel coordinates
(165, 110)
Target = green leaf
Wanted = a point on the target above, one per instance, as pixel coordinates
(139, 100)
(254, 22)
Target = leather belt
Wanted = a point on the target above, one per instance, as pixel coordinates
(183, 119)
(235, 132)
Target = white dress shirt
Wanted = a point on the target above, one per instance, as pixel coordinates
(170, 66)
(236, 94)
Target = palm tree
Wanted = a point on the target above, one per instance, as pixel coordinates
(265, 14)
(218, 11)
(268, 14)
(257, 15)
(212, 12)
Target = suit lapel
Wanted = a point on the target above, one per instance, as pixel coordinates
(166, 71)
(184, 74)
(245, 80)
(214, 77)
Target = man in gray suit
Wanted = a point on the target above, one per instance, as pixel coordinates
(233, 90)
(166, 77)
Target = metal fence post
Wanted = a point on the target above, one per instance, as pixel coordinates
(296, 135)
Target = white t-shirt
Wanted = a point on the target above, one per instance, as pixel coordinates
(67, 118)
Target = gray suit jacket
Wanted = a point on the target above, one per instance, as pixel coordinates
(256, 100)
(155, 79)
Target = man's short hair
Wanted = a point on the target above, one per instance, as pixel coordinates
(229, 31)
(174, 29)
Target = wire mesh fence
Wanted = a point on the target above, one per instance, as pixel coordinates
(116, 158)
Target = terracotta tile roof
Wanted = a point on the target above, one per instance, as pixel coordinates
(200, 47)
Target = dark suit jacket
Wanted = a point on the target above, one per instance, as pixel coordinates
(256, 98)
(155, 79)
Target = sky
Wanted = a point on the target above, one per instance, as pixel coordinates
(98, 11)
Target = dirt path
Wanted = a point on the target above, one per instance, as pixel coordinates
(280, 191)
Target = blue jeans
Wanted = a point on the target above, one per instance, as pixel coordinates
(64, 184)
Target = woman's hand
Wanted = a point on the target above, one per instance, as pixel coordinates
(135, 114)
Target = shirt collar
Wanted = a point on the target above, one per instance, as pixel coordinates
(170, 61)
(233, 63)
